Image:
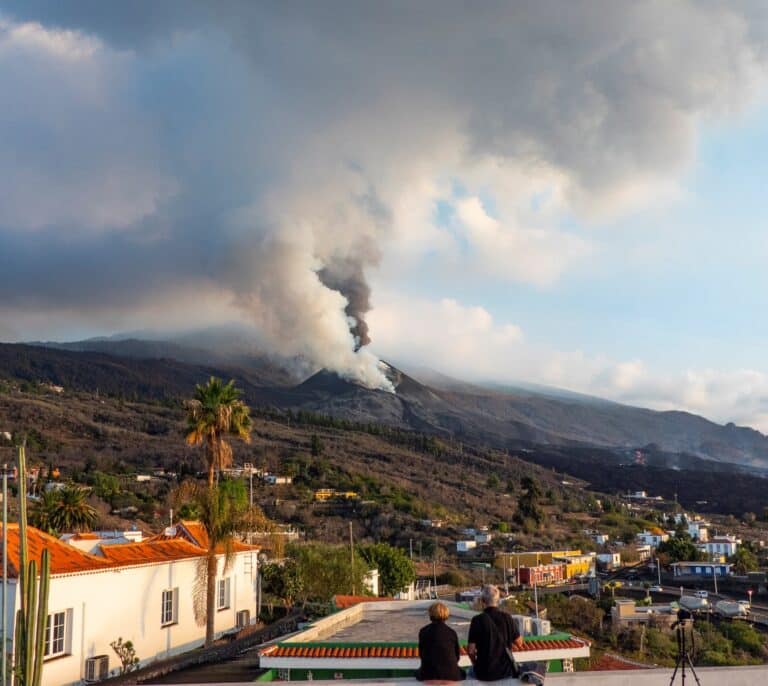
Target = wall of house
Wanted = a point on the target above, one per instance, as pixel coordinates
(126, 602)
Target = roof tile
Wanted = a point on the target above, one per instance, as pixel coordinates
(67, 559)
(383, 650)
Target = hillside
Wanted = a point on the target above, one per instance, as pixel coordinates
(504, 419)
(415, 450)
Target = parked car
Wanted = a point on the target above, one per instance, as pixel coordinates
(656, 589)
(701, 594)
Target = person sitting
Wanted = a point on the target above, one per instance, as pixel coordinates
(492, 637)
(439, 648)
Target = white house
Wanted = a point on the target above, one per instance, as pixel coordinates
(652, 538)
(142, 592)
(91, 541)
(719, 546)
(465, 546)
(698, 530)
(275, 480)
(609, 561)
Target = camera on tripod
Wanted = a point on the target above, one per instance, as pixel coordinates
(684, 621)
(683, 617)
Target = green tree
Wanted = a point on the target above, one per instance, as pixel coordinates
(105, 486)
(282, 581)
(743, 560)
(327, 570)
(63, 510)
(396, 570)
(528, 503)
(214, 413)
(679, 548)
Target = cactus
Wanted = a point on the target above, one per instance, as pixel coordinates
(31, 619)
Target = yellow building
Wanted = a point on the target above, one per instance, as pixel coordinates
(325, 494)
(576, 563)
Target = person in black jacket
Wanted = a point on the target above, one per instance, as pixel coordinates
(439, 648)
(492, 636)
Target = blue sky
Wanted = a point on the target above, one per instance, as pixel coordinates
(569, 195)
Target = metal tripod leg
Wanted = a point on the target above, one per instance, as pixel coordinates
(682, 658)
(674, 673)
(693, 671)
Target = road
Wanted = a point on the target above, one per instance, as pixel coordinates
(758, 612)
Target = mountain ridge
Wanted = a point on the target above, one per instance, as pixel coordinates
(492, 417)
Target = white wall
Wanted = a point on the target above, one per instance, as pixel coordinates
(126, 602)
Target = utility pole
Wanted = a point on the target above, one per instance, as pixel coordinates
(504, 564)
(351, 559)
(410, 546)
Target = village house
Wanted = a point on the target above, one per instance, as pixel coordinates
(140, 591)
(608, 561)
(702, 570)
(465, 546)
(719, 547)
(625, 613)
(652, 538)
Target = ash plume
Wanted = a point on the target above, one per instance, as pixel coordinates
(347, 278)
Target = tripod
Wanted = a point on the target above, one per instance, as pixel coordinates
(683, 656)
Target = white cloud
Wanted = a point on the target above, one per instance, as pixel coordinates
(511, 252)
(75, 152)
(467, 343)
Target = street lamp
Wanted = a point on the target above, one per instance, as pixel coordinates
(749, 594)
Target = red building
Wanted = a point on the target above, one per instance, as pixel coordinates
(542, 575)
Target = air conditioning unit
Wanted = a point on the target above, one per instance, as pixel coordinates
(96, 668)
(243, 618)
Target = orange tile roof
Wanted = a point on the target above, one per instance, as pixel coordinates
(345, 601)
(155, 551)
(196, 534)
(65, 558)
(85, 536)
(383, 650)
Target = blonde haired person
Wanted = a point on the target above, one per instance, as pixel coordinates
(439, 648)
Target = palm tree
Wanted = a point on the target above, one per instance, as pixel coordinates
(224, 513)
(216, 412)
(63, 510)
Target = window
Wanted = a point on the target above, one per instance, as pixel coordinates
(56, 634)
(222, 597)
(170, 607)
